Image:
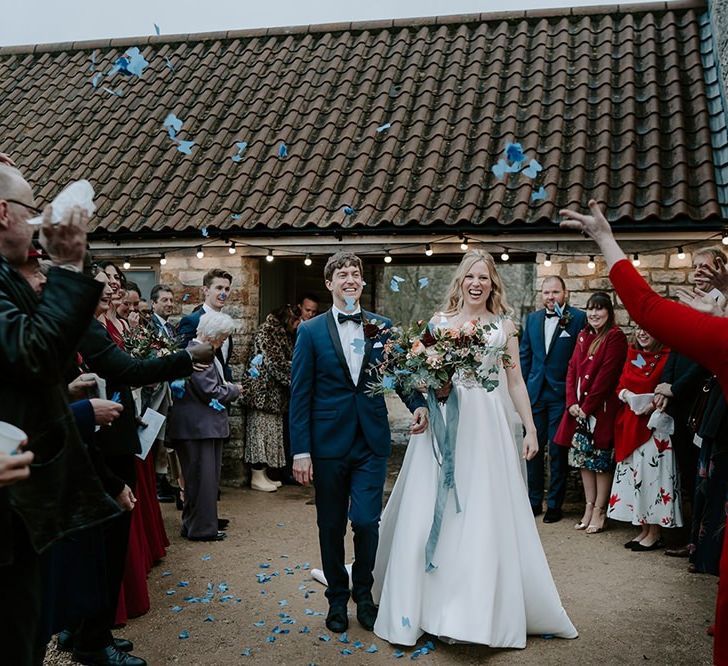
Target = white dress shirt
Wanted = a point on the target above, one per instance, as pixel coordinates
(225, 345)
(549, 330)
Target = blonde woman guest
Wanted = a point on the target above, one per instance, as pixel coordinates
(646, 489)
(592, 405)
(198, 427)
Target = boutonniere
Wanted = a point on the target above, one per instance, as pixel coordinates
(564, 316)
(373, 329)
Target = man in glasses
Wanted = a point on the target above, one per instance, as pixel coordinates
(38, 337)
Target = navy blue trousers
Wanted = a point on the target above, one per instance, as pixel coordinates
(350, 487)
(547, 413)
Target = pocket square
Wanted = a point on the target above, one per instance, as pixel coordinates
(565, 334)
(377, 345)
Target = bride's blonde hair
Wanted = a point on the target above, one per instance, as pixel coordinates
(496, 302)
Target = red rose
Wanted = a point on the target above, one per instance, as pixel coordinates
(371, 331)
(428, 339)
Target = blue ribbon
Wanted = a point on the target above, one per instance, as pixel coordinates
(445, 432)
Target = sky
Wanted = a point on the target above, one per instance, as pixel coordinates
(45, 21)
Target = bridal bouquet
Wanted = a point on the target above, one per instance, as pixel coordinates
(144, 342)
(421, 357)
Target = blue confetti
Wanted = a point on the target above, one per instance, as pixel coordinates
(183, 583)
(372, 649)
(346, 652)
(344, 638)
(394, 283)
(289, 571)
(96, 79)
(216, 405)
(222, 587)
(185, 298)
(424, 282)
(92, 65)
(270, 639)
(350, 303)
(539, 194)
(639, 361)
(259, 623)
(185, 147)
(257, 360)
(137, 62)
(348, 210)
(282, 525)
(533, 169)
(383, 128)
(358, 345)
(282, 151)
(324, 638)
(156, 29)
(499, 169)
(172, 124)
(118, 92)
(283, 602)
(184, 634)
(358, 645)
(205, 234)
(206, 558)
(253, 372)
(278, 630)
(166, 573)
(406, 622)
(121, 65)
(226, 597)
(514, 168)
(171, 592)
(308, 611)
(235, 216)
(304, 630)
(514, 152)
(176, 609)
(169, 64)
(548, 637)
(419, 653)
(241, 146)
(306, 566)
(559, 310)
(247, 652)
(116, 397)
(179, 387)
(264, 565)
(209, 618)
(398, 654)
(388, 382)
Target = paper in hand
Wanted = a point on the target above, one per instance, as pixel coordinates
(148, 433)
(79, 193)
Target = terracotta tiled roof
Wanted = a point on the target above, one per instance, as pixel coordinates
(611, 101)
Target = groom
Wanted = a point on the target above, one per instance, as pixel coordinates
(340, 435)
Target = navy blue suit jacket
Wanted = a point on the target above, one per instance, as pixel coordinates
(540, 366)
(326, 405)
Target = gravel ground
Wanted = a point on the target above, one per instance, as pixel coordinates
(629, 607)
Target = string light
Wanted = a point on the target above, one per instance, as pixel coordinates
(387, 257)
(635, 259)
(464, 244)
(724, 240)
(547, 261)
(127, 264)
(269, 257)
(163, 260)
(591, 263)
(307, 261)
(232, 249)
(680, 253)
(504, 255)
(428, 250)
(200, 253)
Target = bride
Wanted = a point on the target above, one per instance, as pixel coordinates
(489, 582)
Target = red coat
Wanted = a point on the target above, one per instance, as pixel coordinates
(630, 430)
(596, 376)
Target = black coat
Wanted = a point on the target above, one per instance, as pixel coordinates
(37, 340)
(121, 371)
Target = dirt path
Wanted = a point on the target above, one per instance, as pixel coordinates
(629, 607)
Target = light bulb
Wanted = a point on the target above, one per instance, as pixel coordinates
(127, 264)
(724, 240)
(680, 253)
(464, 244)
(269, 257)
(200, 253)
(428, 250)
(387, 258)
(591, 264)
(635, 259)
(163, 260)
(232, 249)
(307, 261)
(504, 255)
(547, 261)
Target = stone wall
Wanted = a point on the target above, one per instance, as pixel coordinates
(662, 270)
(184, 273)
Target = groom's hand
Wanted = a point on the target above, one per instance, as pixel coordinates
(420, 420)
(303, 470)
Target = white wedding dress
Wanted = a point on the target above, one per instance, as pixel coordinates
(492, 584)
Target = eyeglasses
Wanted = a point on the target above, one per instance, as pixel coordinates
(32, 209)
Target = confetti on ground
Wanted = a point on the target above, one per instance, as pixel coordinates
(304, 630)
(372, 649)
(539, 194)
(358, 645)
(171, 592)
(247, 652)
(383, 128)
(289, 571)
(313, 613)
(398, 654)
(176, 609)
(206, 558)
(226, 597)
(270, 639)
(184, 634)
(166, 573)
(344, 638)
(278, 630)
(324, 637)
(259, 623)
(548, 637)
(346, 652)
(209, 618)
(264, 565)
(283, 602)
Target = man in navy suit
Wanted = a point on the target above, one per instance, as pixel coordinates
(216, 285)
(549, 337)
(340, 435)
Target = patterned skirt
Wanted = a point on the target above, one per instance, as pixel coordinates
(264, 439)
(584, 455)
(646, 487)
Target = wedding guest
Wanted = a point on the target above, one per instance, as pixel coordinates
(198, 427)
(546, 346)
(162, 300)
(308, 306)
(592, 405)
(216, 285)
(701, 336)
(33, 271)
(646, 488)
(268, 397)
(39, 337)
(115, 325)
(128, 309)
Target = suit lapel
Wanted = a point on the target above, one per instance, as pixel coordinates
(336, 341)
(368, 346)
(540, 333)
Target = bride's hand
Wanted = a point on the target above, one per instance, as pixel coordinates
(530, 446)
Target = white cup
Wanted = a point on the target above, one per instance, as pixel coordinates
(10, 437)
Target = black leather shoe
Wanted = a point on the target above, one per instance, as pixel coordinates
(65, 643)
(109, 656)
(639, 548)
(222, 523)
(537, 510)
(217, 537)
(366, 613)
(337, 619)
(552, 516)
(165, 491)
(123, 645)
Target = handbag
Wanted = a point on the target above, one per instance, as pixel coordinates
(583, 439)
(697, 411)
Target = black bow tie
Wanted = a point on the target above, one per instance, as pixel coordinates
(356, 317)
(551, 314)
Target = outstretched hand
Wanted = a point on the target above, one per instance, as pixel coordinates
(596, 227)
(716, 275)
(702, 302)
